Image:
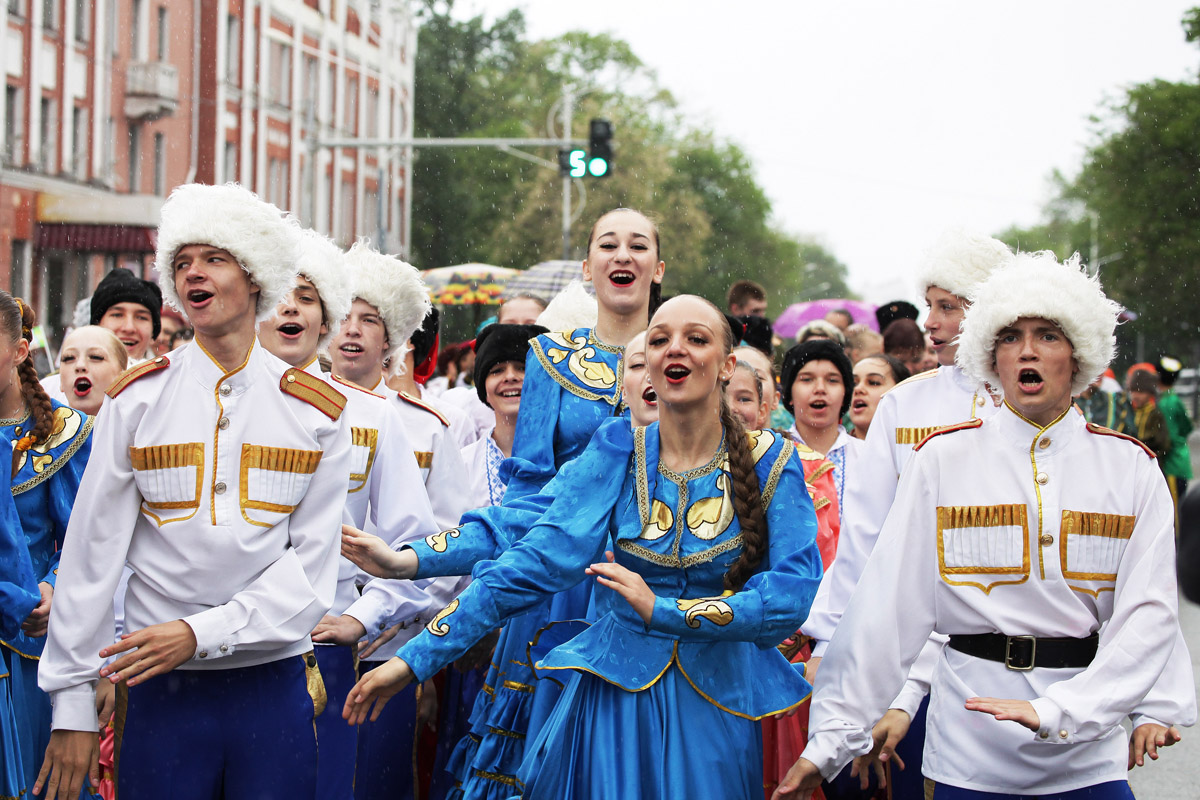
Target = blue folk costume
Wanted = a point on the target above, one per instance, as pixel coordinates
(667, 709)
(44, 484)
(18, 597)
(572, 385)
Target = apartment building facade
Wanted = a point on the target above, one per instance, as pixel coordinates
(109, 104)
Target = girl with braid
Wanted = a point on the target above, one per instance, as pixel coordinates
(701, 543)
(50, 443)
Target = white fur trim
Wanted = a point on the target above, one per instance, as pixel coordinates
(960, 260)
(264, 240)
(1037, 285)
(323, 263)
(574, 307)
(396, 290)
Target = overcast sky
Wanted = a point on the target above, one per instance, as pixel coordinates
(875, 125)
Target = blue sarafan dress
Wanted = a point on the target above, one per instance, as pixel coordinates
(667, 709)
(572, 385)
(43, 488)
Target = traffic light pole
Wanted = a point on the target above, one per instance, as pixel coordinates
(568, 104)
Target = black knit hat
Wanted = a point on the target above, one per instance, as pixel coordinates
(758, 333)
(888, 313)
(122, 286)
(423, 337)
(498, 343)
(816, 350)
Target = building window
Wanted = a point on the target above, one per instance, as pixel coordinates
(231, 161)
(309, 88)
(14, 8)
(160, 165)
(19, 270)
(83, 21)
(306, 193)
(162, 34)
(372, 97)
(277, 182)
(351, 122)
(79, 125)
(280, 80)
(233, 50)
(135, 174)
(136, 49)
(49, 131)
(347, 216)
(50, 15)
(14, 125)
(333, 96)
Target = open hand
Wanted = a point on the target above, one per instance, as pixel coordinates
(149, 652)
(886, 734)
(626, 583)
(1019, 711)
(377, 686)
(373, 556)
(1147, 739)
(799, 783)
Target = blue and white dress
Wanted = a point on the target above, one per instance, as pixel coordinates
(44, 485)
(572, 385)
(667, 709)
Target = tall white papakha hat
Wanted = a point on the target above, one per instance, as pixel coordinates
(1037, 285)
(264, 240)
(396, 290)
(960, 260)
(323, 264)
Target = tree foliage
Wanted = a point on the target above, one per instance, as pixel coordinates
(1136, 195)
(475, 78)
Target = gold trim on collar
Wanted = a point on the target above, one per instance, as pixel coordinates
(49, 465)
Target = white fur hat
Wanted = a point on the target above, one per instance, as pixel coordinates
(574, 307)
(960, 260)
(1037, 285)
(397, 292)
(264, 240)
(323, 263)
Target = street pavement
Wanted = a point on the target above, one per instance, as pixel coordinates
(1176, 774)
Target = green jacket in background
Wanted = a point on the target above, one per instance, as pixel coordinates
(1178, 461)
(1110, 410)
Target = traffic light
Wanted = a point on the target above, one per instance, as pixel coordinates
(600, 154)
(572, 163)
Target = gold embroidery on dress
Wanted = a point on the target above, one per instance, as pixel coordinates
(436, 625)
(710, 517)
(713, 609)
(67, 423)
(661, 521)
(768, 490)
(440, 542)
(424, 459)
(369, 439)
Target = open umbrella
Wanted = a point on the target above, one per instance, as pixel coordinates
(796, 315)
(545, 279)
(467, 284)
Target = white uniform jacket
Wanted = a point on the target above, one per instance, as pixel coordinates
(224, 492)
(1004, 527)
(386, 602)
(386, 491)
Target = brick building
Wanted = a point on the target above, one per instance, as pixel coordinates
(109, 104)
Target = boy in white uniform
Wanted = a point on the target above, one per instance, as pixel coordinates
(1043, 546)
(219, 475)
(384, 484)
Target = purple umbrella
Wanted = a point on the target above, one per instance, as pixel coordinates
(796, 315)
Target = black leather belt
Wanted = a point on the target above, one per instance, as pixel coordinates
(1027, 652)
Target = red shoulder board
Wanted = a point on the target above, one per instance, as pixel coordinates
(133, 373)
(962, 426)
(350, 385)
(1103, 431)
(314, 391)
(421, 404)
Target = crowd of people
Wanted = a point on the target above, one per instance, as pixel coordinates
(270, 537)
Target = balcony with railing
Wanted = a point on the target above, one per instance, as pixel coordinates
(151, 90)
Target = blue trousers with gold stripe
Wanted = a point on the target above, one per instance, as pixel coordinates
(1112, 790)
(384, 769)
(225, 734)
(337, 742)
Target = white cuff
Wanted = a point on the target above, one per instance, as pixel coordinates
(1052, 727)
(819, 647)
(74, 708)
(213, 637)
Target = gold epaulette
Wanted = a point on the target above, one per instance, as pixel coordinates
(421, 404)
(314, 391)
(962, 426)
(1103, 431)
(133, 373)
(347, 383)
(920, 376)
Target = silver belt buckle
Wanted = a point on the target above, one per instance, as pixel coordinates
(1032, 652)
